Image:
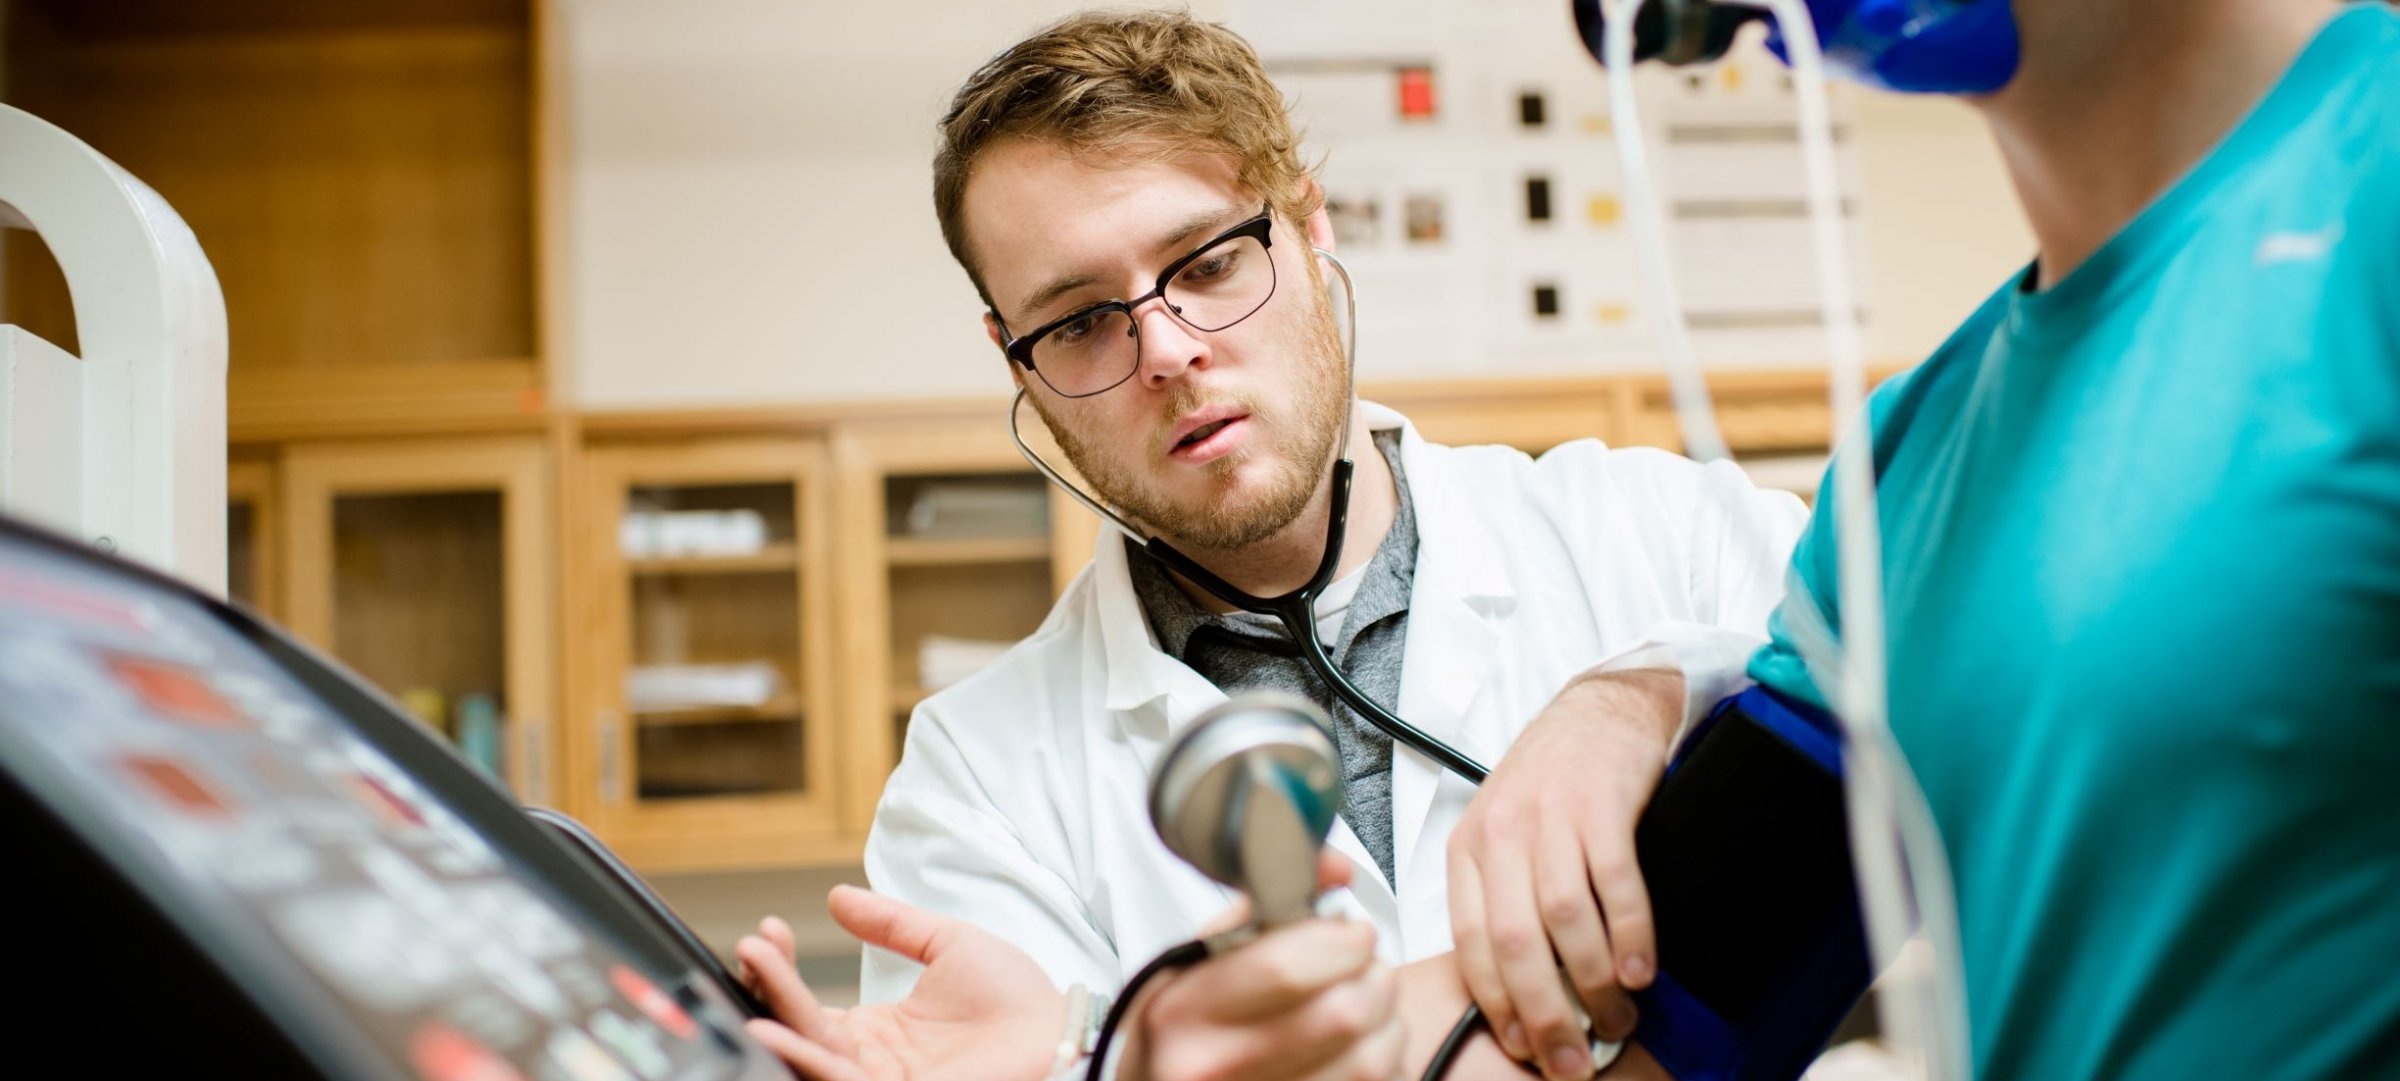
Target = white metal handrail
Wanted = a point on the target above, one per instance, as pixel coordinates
(124, 446)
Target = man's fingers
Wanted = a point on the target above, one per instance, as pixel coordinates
(1235, 915)
(1277, 973)
(1376, 1054)
(1617, 879)
(1571, 913)
(779, 934)
(780, 986)
(1470, 941)
(1322, 1035)
(1333, 870)
(880, 921)
(807, 1059)
(1529, 969)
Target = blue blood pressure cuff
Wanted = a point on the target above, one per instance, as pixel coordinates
(1746, 851)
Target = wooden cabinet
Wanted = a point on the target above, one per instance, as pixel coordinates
(253, 526)
(427, 568)
(365, 177)
(748, 607)
(711, 737)
(953, 548)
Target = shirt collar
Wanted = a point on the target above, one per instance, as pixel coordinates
(1174, 616)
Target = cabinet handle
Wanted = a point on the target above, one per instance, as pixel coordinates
(612, 755)
(535, 740)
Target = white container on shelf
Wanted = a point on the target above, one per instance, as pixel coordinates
(659, 534)
(943, 660)
(978, 510)
(653, 688)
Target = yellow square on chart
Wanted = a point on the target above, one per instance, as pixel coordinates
(1603, 210)
(1613, 315)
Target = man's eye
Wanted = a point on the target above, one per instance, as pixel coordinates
(1209, 269)
(1081, 328)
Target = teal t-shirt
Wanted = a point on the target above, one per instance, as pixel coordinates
(2142, 544)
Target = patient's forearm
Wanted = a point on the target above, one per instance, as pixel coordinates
(1432, 996)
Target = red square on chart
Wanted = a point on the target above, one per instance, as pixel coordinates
(176, 784)
(1416, 93)
(175, 692)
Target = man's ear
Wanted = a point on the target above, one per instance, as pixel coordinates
(1320, 223)
(991, 329)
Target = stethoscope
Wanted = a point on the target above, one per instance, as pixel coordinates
(1295, 610)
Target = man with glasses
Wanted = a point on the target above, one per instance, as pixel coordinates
(1126, 194)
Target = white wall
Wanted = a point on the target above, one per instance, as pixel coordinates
(1943, 228)
(752, 207)
(750, 211)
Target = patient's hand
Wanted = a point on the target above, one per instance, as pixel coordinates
(1432, 998)
(981, 1010)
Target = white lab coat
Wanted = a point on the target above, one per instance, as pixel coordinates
(1020, 801)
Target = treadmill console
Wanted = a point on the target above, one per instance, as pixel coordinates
(381, 906)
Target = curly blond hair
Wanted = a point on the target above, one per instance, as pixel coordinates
(1124, 86)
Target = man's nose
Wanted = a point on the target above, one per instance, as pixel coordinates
(1170, 347)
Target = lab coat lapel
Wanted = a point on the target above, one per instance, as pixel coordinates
(1457, 602)
(1149, 693)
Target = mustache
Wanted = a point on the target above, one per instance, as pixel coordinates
(1188, 400)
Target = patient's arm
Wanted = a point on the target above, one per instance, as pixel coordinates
(1432, 996)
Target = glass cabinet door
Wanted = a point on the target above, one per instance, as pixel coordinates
(713, 743)
(955, 550)
(253, 558)
(426, 567)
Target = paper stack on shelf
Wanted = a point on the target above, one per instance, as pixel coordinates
(978, 510)
(645, 534)
(943, 660)
(658, 687)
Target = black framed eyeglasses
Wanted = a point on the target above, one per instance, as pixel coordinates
(1092, 350)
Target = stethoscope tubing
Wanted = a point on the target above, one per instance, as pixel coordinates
(1295, 610)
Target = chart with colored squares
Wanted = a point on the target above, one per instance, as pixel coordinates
(250, 809)
(1469, 162)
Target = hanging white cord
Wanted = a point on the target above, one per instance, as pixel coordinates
(1890, 821)
(1689, 389)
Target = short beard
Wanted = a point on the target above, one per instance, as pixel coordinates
(1319, 403)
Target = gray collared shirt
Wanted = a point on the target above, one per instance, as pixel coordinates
(1242, 651)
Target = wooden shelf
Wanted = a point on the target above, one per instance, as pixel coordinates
(774, 557)
(905, 697)
(783, 709)
(919, 552)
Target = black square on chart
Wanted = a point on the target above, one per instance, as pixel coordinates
(1537, 198)
(1532, 111)
(1545, 301)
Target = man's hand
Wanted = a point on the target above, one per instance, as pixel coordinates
(1542, 868)
(1306, 1000)
(981, 1010)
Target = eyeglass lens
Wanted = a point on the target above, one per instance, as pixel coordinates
(1219, 287)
